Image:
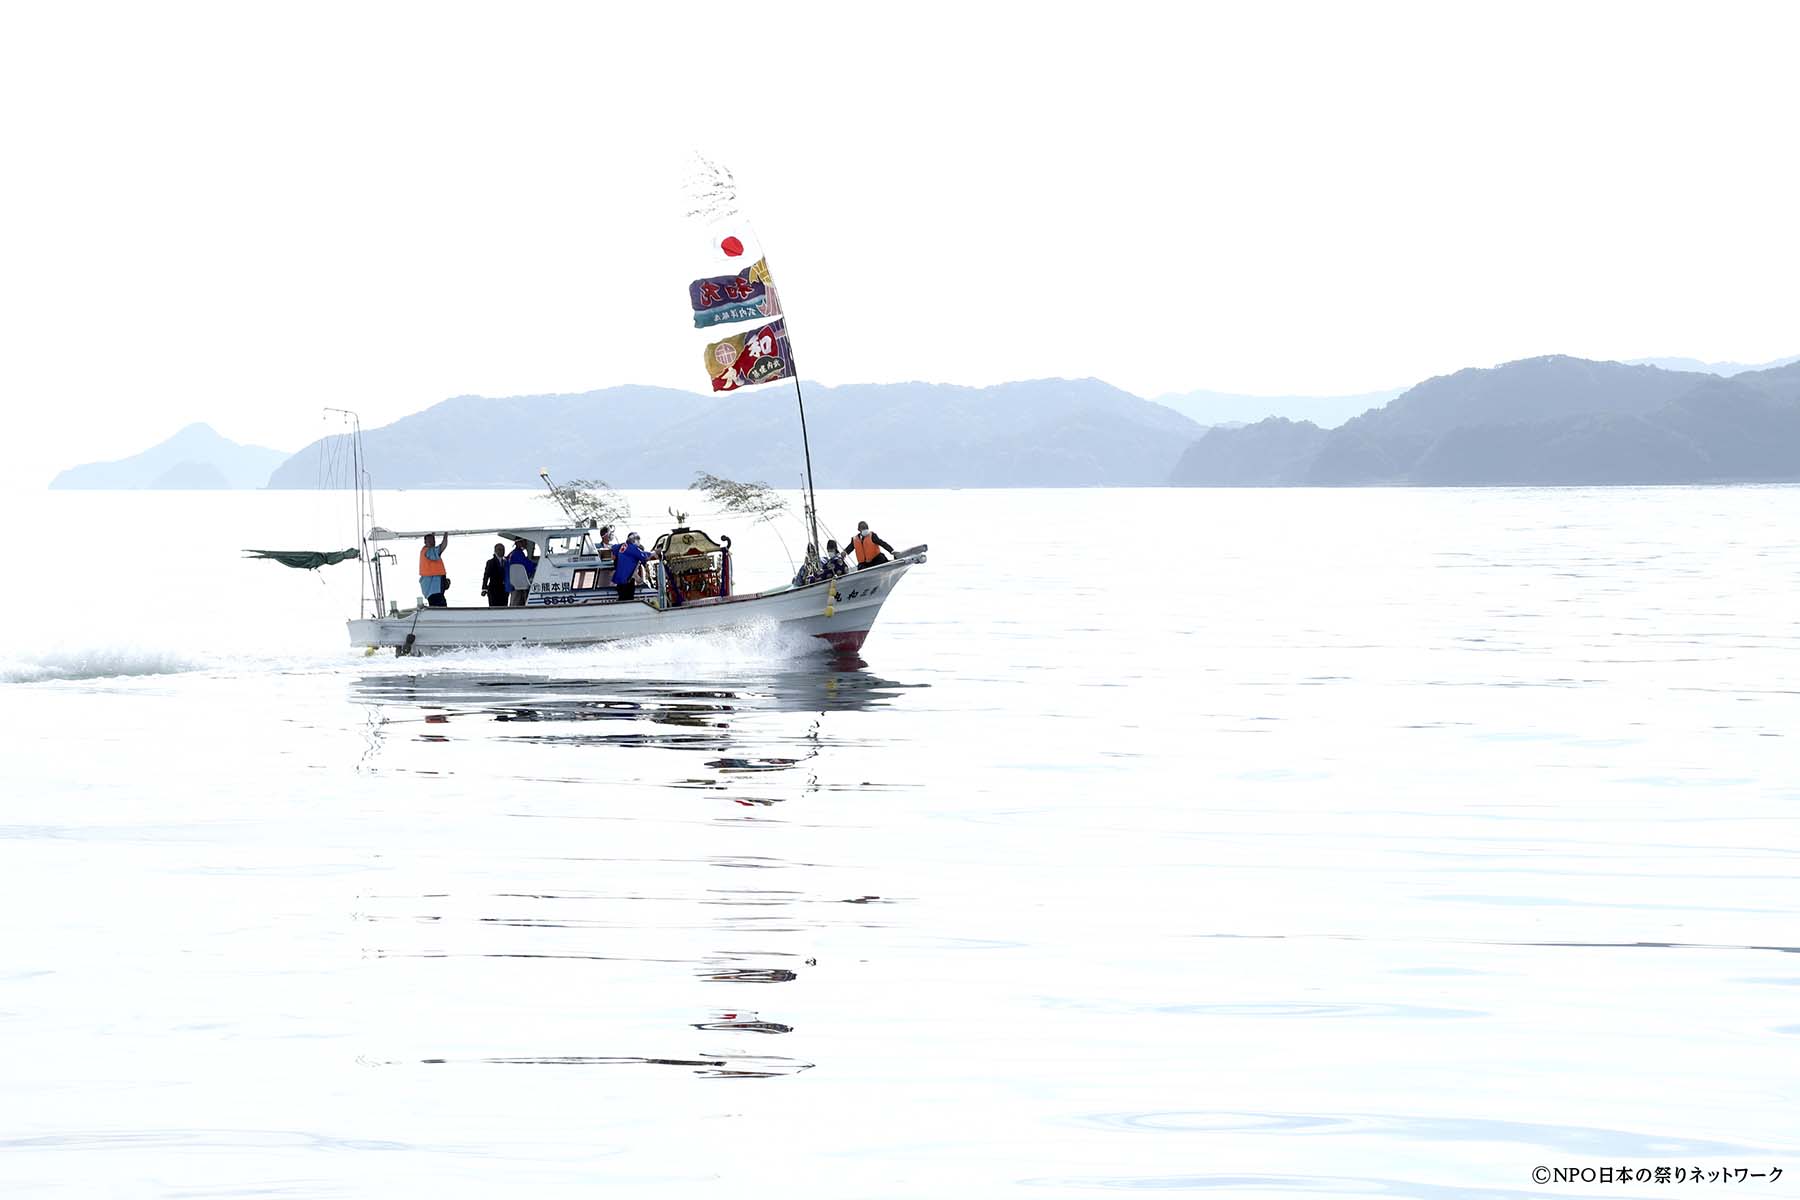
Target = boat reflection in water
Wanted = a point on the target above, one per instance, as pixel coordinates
(841, 684)
(678, 847)
(730, 718)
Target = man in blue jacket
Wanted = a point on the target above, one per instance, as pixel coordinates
(520, 567)
(627, 558)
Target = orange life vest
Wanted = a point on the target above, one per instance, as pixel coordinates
(865, 547)
(430, 566)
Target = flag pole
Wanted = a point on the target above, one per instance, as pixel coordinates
(719, 197)
(812, 504)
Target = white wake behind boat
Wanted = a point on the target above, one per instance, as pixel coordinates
(572, 601)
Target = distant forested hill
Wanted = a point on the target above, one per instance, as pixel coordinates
(196, 457)
(1238, 408)
(1041, 433)
(1715, 368)
(1552, 420)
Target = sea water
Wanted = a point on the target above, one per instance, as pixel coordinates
(1320, 843)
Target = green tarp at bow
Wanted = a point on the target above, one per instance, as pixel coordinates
(308, 560)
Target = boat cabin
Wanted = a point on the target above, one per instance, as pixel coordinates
(574, 568)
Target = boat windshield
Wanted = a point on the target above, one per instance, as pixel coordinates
(582, 544)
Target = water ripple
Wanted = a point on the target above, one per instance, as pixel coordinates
(1567, 1139)
(259, 1139)
(727, 1066)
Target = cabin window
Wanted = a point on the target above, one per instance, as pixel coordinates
(586, 579)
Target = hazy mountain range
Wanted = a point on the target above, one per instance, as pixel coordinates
(1042, 433)
(1243, 408)
(1540, 420)
(1552, 420)
(195, 458)
(1710, 368)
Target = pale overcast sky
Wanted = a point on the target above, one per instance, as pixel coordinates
(240, 213)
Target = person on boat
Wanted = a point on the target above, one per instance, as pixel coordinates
(520, 567)
(493, 577)
(627, 558)
(811, 569)
(815, 568)
(433, 579)
(868, 547)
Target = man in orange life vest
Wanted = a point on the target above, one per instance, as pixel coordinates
(869, 546)
(432, 576)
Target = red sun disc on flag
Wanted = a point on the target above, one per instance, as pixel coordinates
(732, 247)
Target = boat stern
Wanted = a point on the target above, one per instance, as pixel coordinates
(378, 633)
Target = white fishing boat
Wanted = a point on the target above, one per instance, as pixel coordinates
(572, 600)
(690, 580)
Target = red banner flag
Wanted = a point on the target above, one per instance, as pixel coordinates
(761, 356)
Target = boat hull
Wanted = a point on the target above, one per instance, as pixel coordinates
(840, 612)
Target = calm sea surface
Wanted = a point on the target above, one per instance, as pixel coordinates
(1314, 843)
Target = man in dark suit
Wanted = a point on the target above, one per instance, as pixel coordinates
(493, 577)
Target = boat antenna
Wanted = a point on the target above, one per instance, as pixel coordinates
(556, 495)
(363, 496)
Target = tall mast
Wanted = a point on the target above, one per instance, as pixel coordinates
(812, 504)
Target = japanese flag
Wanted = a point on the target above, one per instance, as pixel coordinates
(731, 245)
